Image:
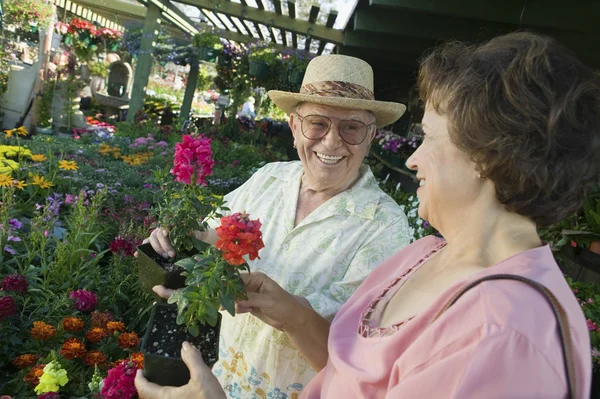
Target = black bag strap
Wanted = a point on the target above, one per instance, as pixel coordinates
(564, 331)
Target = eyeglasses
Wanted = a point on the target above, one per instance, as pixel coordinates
(315, 127)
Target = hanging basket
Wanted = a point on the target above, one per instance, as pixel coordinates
(295, 77)
(258, 69)
(207, 54)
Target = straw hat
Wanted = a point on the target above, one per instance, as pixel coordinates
(340, 81)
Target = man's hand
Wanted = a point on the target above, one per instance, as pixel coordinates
(203, 384)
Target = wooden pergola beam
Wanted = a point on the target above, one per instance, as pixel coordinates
(278, 21)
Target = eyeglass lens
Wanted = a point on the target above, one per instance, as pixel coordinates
(315, 127)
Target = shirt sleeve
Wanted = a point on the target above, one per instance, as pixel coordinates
(383, 242)
(503, 365)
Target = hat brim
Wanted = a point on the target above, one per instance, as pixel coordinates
(385, 112)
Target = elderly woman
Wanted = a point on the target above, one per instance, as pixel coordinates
(512, 137)
(326, 223)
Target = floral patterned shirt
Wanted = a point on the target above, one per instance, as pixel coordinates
(324, 259)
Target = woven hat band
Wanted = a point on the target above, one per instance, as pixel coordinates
(337, 89)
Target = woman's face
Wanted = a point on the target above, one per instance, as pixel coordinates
(448, 181)
(330, 163)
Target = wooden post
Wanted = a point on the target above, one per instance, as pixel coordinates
(144, 61)
(190, 89)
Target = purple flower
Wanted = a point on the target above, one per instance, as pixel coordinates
(99, 185)
(70, 199)
(10, 250)
(13, 238)
(49, 395)
(147, 185)
(15, 224)
(85, 301)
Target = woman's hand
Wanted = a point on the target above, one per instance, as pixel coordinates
(269, 302)
(203, 384)
(159, 239)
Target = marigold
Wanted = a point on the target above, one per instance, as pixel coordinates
(129, 340)
(67, 165)
(25, 361)
(5, 180)
(138, 359)
(115, 326)
(96, 335)
(33, 376)
(71, 323)
(42, 330)
(73, 348)
(93, 358)
(38, 157)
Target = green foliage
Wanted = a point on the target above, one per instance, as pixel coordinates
(28, 14)
(207, 40)
(44, 108)
(98, 68)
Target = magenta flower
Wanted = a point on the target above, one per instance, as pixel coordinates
(85, 301)
(591, 325)
(119, 382)
(49, 395)
(7, 307)
(193, 157)
(15, 283)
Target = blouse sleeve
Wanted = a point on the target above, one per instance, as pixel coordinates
(505, 364)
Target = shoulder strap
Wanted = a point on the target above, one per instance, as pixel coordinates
(564, 331)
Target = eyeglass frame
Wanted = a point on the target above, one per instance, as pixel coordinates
(368, 126)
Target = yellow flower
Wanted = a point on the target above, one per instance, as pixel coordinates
(6, 180)
(13, 151)
(9, 133)
(67, 165)
(38, 157)
(20, 184)
(8, 165)
(41, 181)
(53, 377)
(22, 131)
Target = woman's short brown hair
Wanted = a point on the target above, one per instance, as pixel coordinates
(527, 112)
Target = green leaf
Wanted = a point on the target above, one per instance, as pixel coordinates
(194, 330)
(228, 302)
(180, 319)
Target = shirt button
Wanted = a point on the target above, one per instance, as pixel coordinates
(286, 246)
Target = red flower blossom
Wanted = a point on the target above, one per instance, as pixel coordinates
(239, 236)
(100, 319)
(7, 307)
(123, 246)
(15, 283)
(119, 382)
(49, 395)
(193, 158)
(85, 301)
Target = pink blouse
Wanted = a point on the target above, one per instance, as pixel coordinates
(499, 340)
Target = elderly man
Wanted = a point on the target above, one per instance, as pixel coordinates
(326, 226)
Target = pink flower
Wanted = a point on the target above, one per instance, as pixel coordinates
(591, 325)
(575, 291)
(49, 395)
(119, 382)
(590, 300)
(193, 157)
(15, 283)
(7, 307)
(85, 301)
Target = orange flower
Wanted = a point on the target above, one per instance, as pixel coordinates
(73, 348)
(138, 359)
(42, 330)
(96, 335)
(33, 377)
(95, 358)
(128, 340)
(71, 323)
(25, 361)
(114, 326)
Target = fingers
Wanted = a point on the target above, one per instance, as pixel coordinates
(256, 281)
(162, 291)
(159, 239)
(147, 389)
(193, 360)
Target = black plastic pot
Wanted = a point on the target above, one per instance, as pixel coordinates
(155, 270)
(171, 370)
